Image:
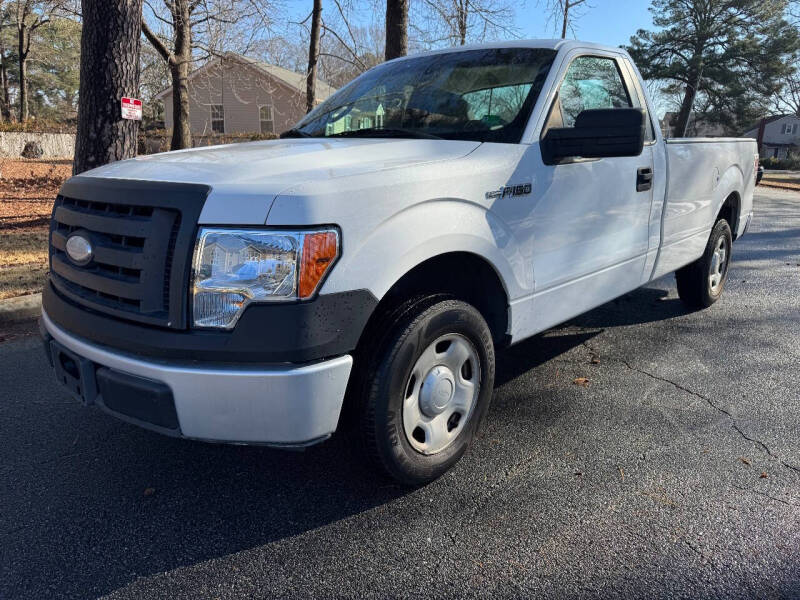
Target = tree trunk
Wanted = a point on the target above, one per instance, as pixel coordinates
(23, 74)
(463, 16)
(109, 70)
(179, 69)
(396, 28)
(5, 98)
(689, 96)
(313, 56)
(566, 20)
(181, 132)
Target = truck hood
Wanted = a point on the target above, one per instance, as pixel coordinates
(246, 178)
(289, 161)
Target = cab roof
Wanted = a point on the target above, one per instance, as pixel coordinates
(557, 45)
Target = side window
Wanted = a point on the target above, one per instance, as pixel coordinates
(591, 82)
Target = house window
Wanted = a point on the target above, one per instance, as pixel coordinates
(217, 118)
(348, 122)
(794, 128)
(266, 118)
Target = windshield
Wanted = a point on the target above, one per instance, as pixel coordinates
(481, 95)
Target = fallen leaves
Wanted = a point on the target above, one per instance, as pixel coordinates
(745, 461)
(149, 491)
(581, 381)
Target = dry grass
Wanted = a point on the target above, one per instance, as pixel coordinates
(27, 190)
(788, 180)
(23, 260)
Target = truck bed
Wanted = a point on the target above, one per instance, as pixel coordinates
(701, 174)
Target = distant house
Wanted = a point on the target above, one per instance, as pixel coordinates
(236, 94)
(368, 114)
(696, 127)
(781, 136)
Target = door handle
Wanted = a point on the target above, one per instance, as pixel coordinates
(644, 179)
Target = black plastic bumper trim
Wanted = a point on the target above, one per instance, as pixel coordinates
(329, 325)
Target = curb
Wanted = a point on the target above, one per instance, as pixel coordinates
(20, 308)
(779, 186)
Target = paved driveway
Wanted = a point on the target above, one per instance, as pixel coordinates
(675, 473)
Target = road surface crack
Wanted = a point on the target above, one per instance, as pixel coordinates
(765, 495)
(734, 424)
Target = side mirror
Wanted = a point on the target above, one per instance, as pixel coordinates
(598, 133)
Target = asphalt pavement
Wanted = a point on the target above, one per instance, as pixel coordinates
(675, 473)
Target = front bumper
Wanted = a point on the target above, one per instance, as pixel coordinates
(282, 405)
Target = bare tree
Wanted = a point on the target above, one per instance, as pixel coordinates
(396, 29)
(26, 17)
(563, 13)
(313, 55)
(185, 32)
(5, 95)
(788, 98)
(110, 45)
(460, 21)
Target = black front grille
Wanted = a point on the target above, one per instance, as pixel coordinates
(141, 235)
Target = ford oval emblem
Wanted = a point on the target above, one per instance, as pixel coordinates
(79, 249)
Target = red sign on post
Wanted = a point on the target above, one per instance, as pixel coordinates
(132, 109)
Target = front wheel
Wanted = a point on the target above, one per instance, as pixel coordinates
(701, 283)
(427, 386)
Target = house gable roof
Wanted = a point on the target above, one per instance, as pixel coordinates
(769, 120)
(295, 81)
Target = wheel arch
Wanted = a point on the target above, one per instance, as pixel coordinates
(459, 274)
(731, 211)
(729, 199)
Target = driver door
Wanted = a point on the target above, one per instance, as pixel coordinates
(590, 222)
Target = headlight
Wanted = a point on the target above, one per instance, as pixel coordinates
(233, 268)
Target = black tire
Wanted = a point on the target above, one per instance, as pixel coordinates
(384, 378)
(694, 284)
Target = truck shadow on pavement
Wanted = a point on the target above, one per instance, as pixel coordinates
(644, 305)
(93, 504)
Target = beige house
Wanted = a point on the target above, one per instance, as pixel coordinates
(236, 94)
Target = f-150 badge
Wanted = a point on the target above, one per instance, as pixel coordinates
(509, 191)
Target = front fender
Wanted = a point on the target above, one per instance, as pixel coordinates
(423, 231)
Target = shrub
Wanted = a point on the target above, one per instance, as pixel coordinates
(32, 150)
(158, 140)
(791, 163)
(39, 126)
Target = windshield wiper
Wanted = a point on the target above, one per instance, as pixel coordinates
(374, 132)
(294, 133)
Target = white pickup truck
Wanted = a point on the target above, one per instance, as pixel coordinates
(360, 272)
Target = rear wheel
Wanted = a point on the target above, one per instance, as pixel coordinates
(425, 389)
(701, 283)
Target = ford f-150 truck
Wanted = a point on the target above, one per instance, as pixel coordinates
(360, 272)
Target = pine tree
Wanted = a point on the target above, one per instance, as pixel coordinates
(728, 56)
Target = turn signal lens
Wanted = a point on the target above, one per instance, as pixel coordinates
(320, 251)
